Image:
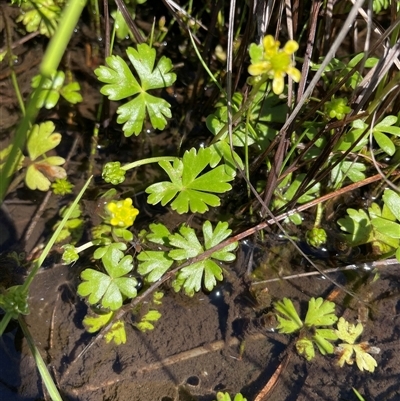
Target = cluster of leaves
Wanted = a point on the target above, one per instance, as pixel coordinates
(182, 246)
(42, 15)
(317, 329)
(14, 300)
(349, 333)
(380, 226)
(342, 68)
(114, 282)
(313, 330)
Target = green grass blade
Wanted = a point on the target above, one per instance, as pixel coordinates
(44, 373)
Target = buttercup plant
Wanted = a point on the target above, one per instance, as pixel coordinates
(316, 329)
(116, 278)
(274, 62)
(348, 333)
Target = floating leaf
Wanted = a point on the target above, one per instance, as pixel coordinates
(146, 322)
(95, 323)
(116, 333)
(320, 313)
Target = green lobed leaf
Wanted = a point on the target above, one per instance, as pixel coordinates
(194, 192)
(320, 313)
(41, 139)
(205, 272)
(94, 286)
(115, 265)
(290, 321)
(117, 333)
(120, 82)
(143, 60)
(101, 251)
(213, 238)
(153, 264)
(159, 234)
(358, 224)
(322, 338)
(50, 91)
(109, 289)
(71, 93)
(191, 277)
(187, 243)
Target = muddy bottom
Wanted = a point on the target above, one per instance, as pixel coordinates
(194, 350)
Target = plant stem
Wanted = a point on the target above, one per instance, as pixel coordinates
(148, 161)
(44, 373)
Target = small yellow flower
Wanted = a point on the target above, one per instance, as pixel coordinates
(276, 63)
(122, 213)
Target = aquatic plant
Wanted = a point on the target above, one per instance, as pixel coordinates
(291, 149)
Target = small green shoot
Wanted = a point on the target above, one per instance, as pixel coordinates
(116, 333)
(146, 322)
(40, 15)
(121, 84)
(320, 314)
(358, 395)
(337, 108)
(94, 323)
(226, 397)
(195, 192)
(348, 333)
(14, 301)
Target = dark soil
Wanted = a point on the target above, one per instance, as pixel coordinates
(194, 350)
